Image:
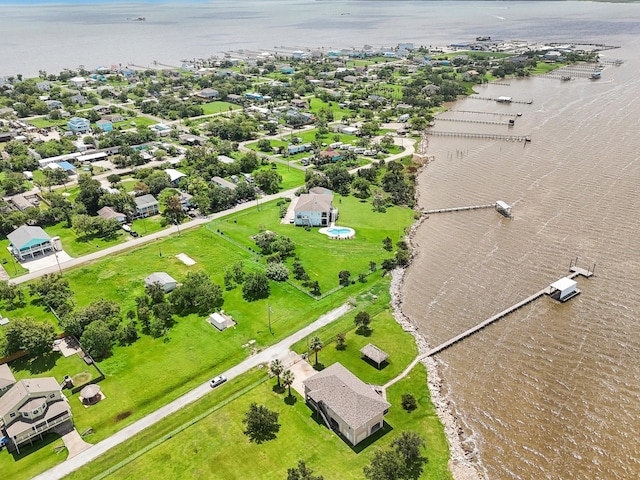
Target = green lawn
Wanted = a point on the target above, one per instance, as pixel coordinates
(217, 107)
(315, 104)
(7, 261)
(139, 122)
(291, 177)
(214, 446)
(193, 351)
(46, 123)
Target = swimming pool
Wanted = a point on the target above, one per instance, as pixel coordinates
(338, 233)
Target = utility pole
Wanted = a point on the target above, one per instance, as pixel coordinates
(269, 317)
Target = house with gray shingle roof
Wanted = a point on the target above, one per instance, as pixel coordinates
(146, 205)
(31, 408)
(6, 379)
(315, 210)
(347, 404)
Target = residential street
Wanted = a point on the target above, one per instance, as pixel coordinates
(279, 350)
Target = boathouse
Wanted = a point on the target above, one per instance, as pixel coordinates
(503, 208)
(564, 289)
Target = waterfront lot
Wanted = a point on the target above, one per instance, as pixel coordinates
(214, 446)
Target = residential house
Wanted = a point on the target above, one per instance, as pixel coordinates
(174, 176)
(315, 210)
(79, 99)
(29, 241)
(102, 109)
(221, 182)
(79, 125)
(208, 93)
(146, 205)
(113, 118)
(31, 408)
(346, 404)
(330, 155)
(165, 280)
(299, 148)
(104, 125)
(54, 104)
(188, 139)
(350, 79)
(6, 379)
(43, 86)
(226, 160)
(161, 129)
(109, 213)
(78, 82)
(320, 191)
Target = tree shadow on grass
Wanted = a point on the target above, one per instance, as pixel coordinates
(279, 389)
(36, 365)
(291, 400)
(319, 366)
(364, 331)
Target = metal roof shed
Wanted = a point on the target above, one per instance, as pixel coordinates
(374, 354)
(564, 289)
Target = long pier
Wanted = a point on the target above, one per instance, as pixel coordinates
(458, 209)
(523, 102)
(575, 271)
(488, 136)
(469, 120)
(502, 114)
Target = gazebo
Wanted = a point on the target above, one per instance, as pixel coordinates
(91, 394)
(374, 354)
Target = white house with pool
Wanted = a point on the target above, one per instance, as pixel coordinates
(315, 210)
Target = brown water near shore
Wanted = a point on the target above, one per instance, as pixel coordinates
(552, 390)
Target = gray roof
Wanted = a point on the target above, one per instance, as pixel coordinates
(25, 390)
(223, 183)
(374, 353)
(145, 200)
(162, 278)
(108, 213)
(25, 234)
(309, 202)
(320, 191)
(6, 377)
(350, 398)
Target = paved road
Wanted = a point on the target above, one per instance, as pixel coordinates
(136, 242)
(278, 350)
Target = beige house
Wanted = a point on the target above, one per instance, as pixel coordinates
(6, 379)
(345, 403)
(31, 408)
(315, 210)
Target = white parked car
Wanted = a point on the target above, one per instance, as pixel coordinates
(219, 380)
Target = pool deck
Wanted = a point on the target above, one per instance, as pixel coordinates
(340, 236)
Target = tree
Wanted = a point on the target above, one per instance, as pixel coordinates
(387, 244)
(261, 424)
(114, 179)
(403, 461)
(255, 287)
(341, 341)
(287, 379)
(277, 271)
(96, 339)
(155, 292)
(315, 346)
(385, 465)
(276, 368)
(388, 264)
(362, 321)
(268, 180)
(53, 290)
(157, 181)
(30, 335)
(361, 185)
(372, 266)
(344, 277)
(408, 446)
(197, 294)
(302, 472)
(409, 402)
(12, 294)
(90, 193)
(173, 211)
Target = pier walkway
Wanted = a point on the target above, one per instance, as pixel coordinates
(492, 99)
(458, 209)
(470, 120)
(574, 272)
(488, 136)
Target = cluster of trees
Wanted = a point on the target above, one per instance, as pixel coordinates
(170, 107)
(402, 461)
(28, 334)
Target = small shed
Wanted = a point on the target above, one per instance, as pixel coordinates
(374, 354)
(164, 279)
(564, 289)
(220, 320)
(91, 394)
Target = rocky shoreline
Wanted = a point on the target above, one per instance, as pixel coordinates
(461, 464)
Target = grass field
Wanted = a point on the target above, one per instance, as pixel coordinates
(193, 351)
(217, 107)
(214, 446)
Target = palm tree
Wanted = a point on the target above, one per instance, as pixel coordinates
(287, 379)
(276, 368)
(316, 345)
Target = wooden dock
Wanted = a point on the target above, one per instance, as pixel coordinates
(458, 209)
(476, 112)
(575, 271)
(488, 136)
(470, 120)
(492, 99)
